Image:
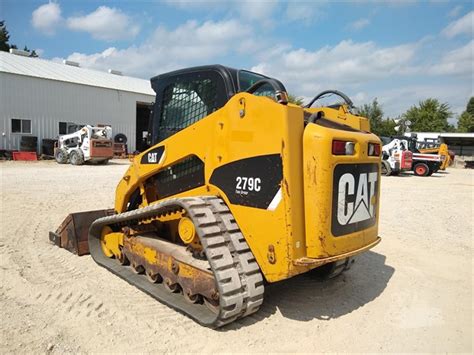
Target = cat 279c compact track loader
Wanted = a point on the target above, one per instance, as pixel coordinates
(238, 186)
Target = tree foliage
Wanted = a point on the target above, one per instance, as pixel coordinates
(295, 100)
(4, 37)
(32, 52)
(429, 116)
(466, 120)
(470, 106)
(387, 127)
(378, 125)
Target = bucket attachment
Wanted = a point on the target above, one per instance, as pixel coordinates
(72, 234)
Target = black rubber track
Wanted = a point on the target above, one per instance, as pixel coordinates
(237, 275)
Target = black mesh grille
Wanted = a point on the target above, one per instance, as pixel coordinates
(185, 103)
(183, 176)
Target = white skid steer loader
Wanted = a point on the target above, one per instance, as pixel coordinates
(90, 143)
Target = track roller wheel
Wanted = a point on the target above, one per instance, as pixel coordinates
(153, 278)
(190, 298)
(170, 286)
(137, 269)
(103, 243)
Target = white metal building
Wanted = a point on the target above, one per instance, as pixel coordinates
(40, 97)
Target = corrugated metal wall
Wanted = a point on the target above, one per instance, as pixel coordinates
(48, 102)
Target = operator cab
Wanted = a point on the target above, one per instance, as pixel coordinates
(185, 96)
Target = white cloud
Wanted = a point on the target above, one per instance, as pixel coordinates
(105, 23)
(397, 100)
(456, 62)
(347, 63)
(248, 10)
(360, 98)
(256, 10)
(192, 43)
(398, 75)
(360, 24)
(46, 18)
(464, 25)
(307, 12)
(455, 11)
(194, 4)
(393, 3)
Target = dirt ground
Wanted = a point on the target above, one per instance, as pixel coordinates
(412, 293)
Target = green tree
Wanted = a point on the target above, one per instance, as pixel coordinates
(386, 128)
(4, 37)
(378, 125)
(373, 112)
(32, 52)
(470, 106)
(429, 116)
(295, 100)
(466, 120)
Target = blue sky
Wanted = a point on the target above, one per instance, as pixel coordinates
(397, 51)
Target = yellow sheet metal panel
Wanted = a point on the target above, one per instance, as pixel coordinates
(341, 192)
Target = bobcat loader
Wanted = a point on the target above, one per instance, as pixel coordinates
(424, 164)
(396, 157)
(437, 149)
(238, 188)
(89, 143)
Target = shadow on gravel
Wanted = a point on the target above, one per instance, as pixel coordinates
(304, 298)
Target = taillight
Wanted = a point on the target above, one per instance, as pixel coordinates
(374, 150)
(343, 148)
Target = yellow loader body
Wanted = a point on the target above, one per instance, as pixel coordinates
(295, 235)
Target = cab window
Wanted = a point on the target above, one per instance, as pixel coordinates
(247, 79)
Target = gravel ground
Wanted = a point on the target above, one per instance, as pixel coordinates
(412, 293)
